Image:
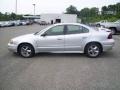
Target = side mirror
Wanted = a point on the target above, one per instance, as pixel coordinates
(44, 34)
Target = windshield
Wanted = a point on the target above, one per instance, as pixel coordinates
(36, 33)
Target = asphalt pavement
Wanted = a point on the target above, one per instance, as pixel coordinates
(56, 71)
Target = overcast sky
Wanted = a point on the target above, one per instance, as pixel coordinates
(50, 6)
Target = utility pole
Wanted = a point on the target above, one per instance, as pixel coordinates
(34, 9)
(16, 7)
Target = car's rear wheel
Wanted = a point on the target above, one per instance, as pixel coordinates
(26, 50)
(93, 50)
(113, 31)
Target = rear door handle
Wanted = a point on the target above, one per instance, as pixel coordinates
(59, 39)
(84, 37)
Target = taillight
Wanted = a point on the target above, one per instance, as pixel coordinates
(110, 36)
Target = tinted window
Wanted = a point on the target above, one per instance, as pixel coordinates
(85, 30)
(57, 30)
(75, 29)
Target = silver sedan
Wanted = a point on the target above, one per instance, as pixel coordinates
(63, 38)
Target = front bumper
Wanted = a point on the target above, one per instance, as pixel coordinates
(12, 47)
(108, 45)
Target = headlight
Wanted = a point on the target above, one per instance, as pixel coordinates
(12, 42)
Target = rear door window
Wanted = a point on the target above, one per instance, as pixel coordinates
(76, 29)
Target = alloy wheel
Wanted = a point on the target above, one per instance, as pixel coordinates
(93, 50)
(26, 51)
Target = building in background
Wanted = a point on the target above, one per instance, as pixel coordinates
(57, 18)
(31, 17)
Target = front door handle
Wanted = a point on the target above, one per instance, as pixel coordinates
(59, 39)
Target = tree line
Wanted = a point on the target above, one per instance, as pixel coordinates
(87, 15)
(9, 16)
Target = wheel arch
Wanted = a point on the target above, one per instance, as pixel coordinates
(25, 43)
(95, 43)
(114, 28)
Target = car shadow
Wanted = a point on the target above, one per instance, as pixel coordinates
(117, 33)
(74, 55)
(59, 55)
(108, 55)
(105, 55)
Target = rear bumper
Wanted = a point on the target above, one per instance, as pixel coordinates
(108, 45)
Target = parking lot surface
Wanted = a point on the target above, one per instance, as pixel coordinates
(56, 71)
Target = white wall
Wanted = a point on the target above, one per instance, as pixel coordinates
(68, 18)
(65, 18)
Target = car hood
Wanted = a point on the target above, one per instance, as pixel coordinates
(24, 37)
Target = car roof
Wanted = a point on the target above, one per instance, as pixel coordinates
(72, 24)
(67, 23)
(88, 27)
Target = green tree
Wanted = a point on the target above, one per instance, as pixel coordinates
(104, 9)
(0, 16)
(13, 16)
(9, 16)
(85, 12)
(71, 10)
(94, 11)
(118, 7)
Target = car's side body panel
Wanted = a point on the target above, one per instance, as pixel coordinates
(50, 43)
(75, 42)
(65, 42)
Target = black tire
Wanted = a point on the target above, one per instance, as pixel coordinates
(98, 25)
(93, 53)
(26, 49)
(113, 31)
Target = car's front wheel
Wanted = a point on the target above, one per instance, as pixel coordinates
(93, 50)
(26, 50)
